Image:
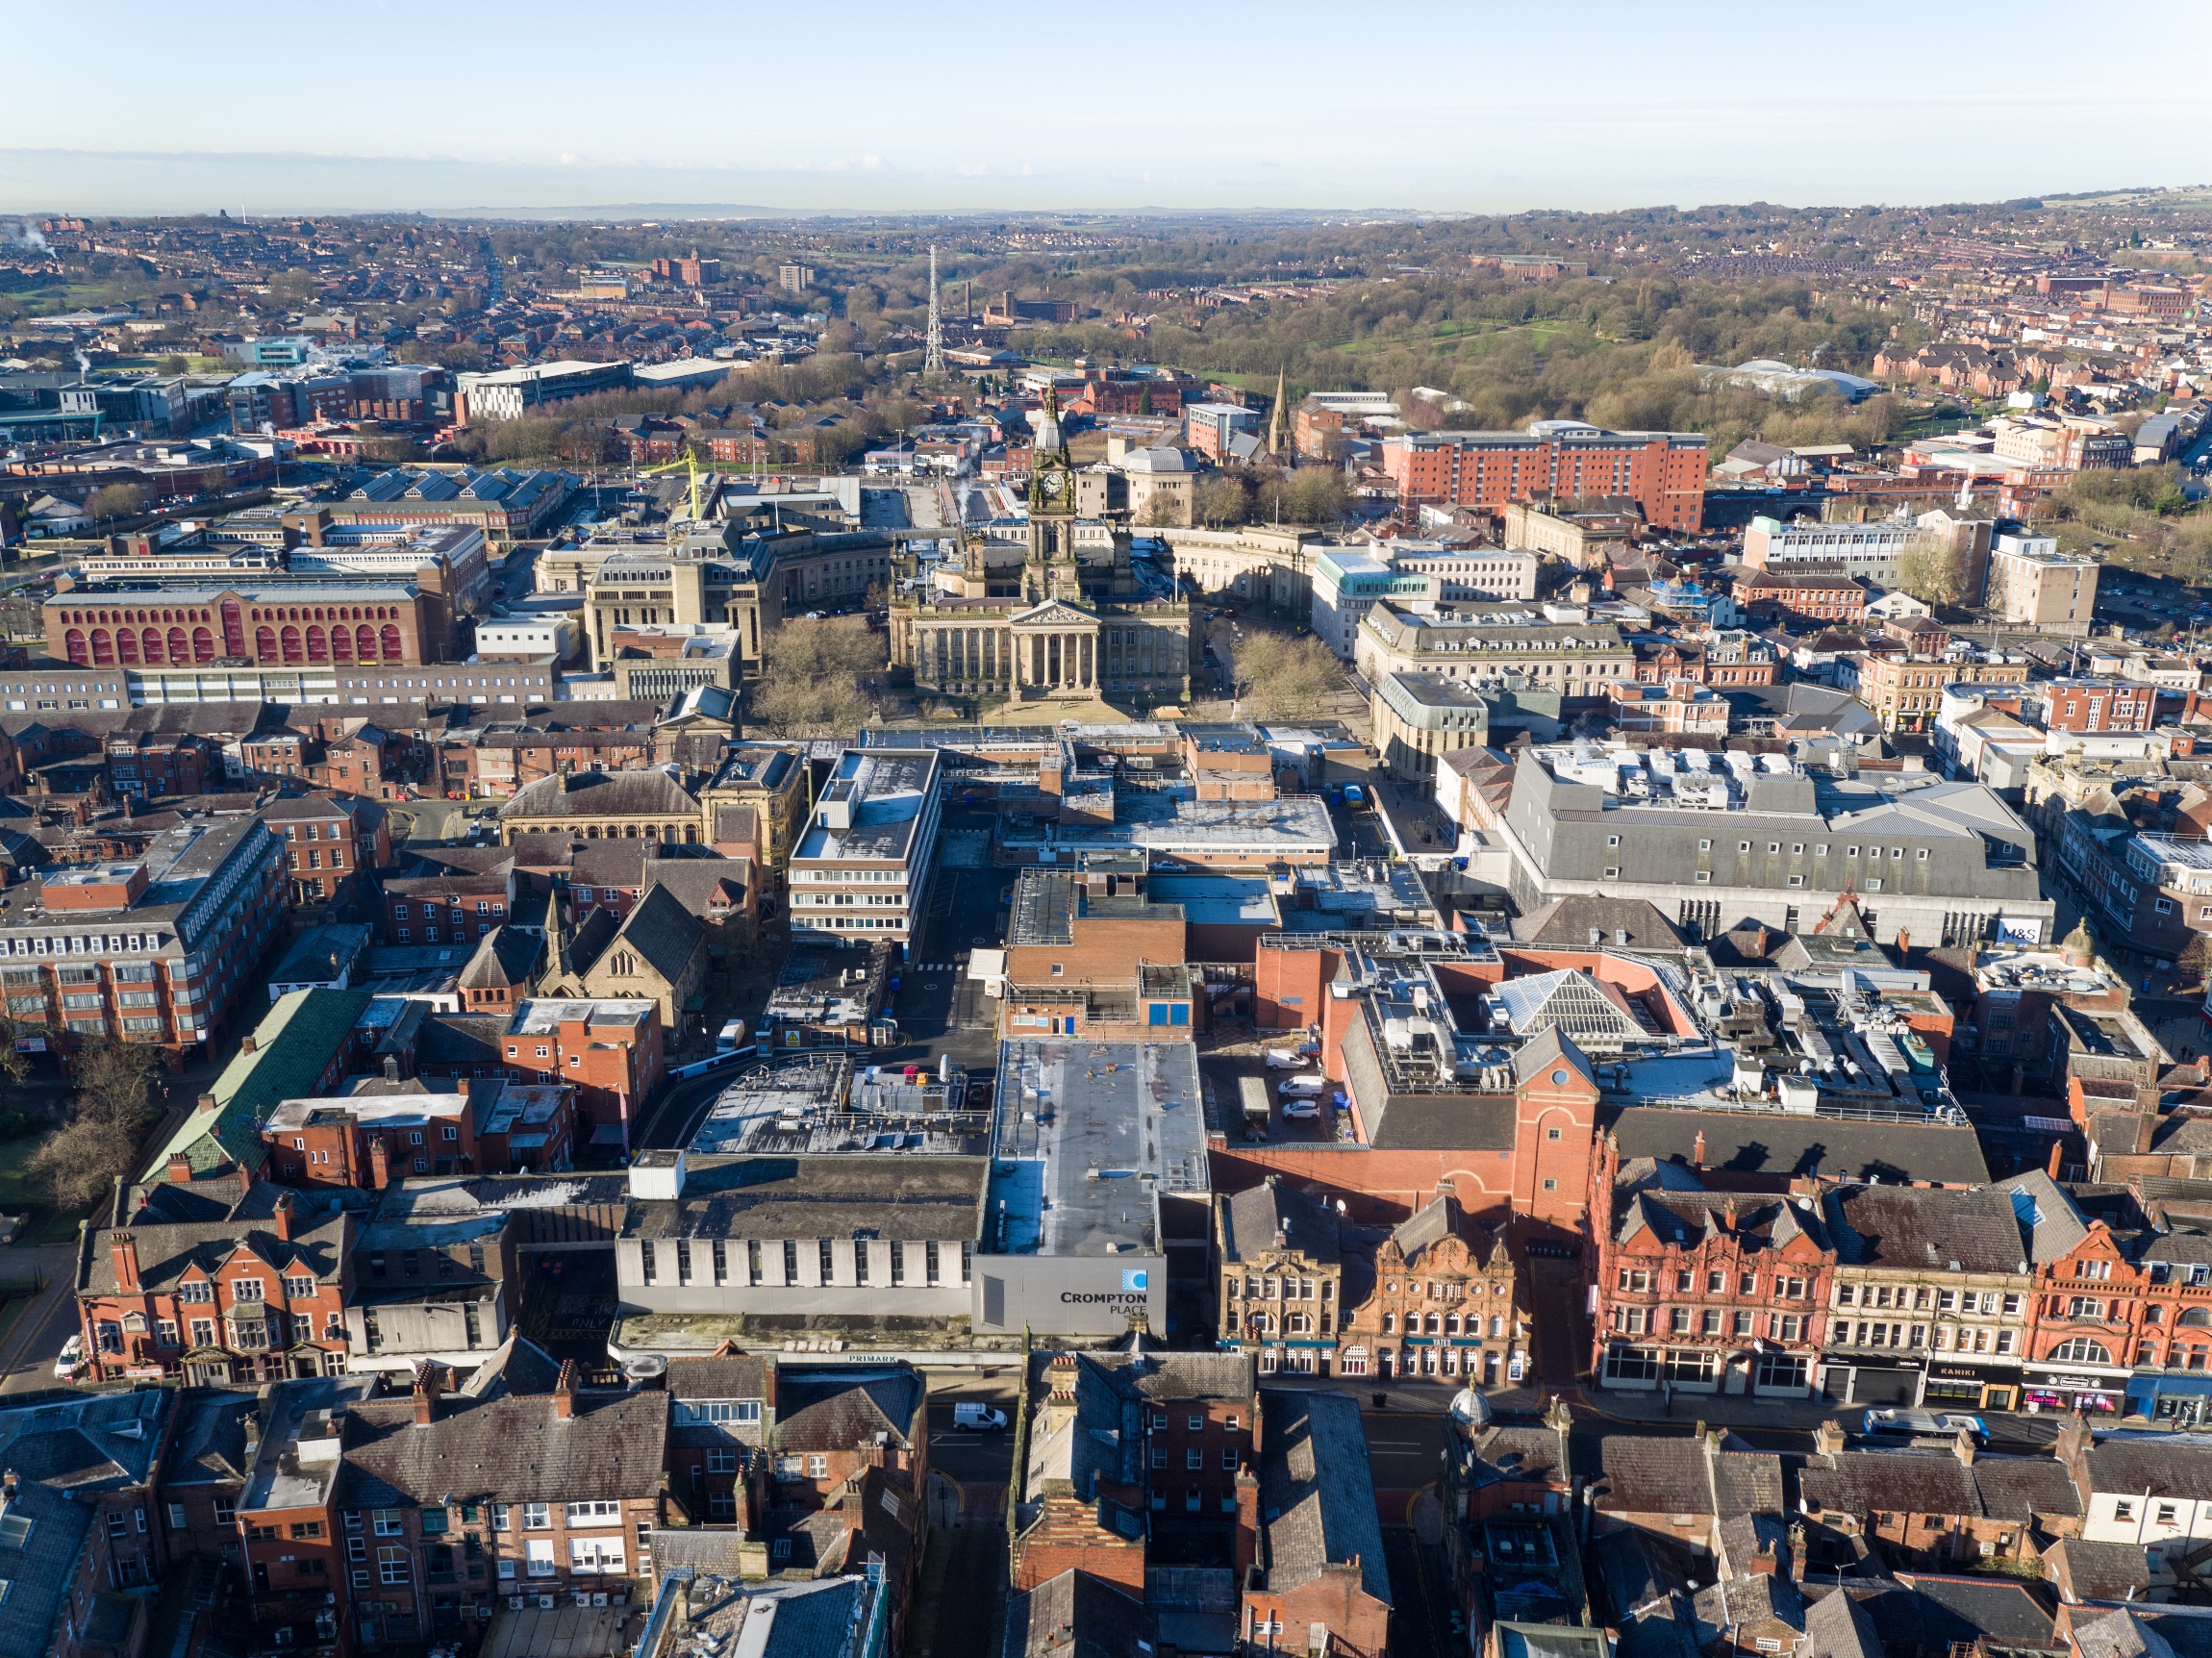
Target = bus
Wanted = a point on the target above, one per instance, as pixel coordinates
(1890, 1423)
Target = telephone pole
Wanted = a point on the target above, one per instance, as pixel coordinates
(933, 347)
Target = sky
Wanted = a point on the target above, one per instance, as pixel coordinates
(854, 106)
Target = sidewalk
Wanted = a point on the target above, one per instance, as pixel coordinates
(34, 1340)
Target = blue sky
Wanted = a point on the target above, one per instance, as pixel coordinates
(859, 106)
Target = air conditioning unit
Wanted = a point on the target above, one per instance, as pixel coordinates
(582, 1596)
(545, 1603)
(514, 1603)
(598, 1598)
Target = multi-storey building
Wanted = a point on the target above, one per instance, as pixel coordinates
(275, 623)
(599, 805)
(1705, 1292)
(1930, 1298)
(1282, 1261)
(1444, 1299)
(284, 1527)
(2089, 704)
(771, 783)
(1347, 582)
(329, 843)
(157, 950)
(1662, 472)
(863, 867)
(1317, 1538)
(449, 908)
(1802, 599)
(214, 1281)
(384, 1131)
(1420, 717)
(1487, 644)
(1718, 847)
(1906, 692)
(432, 1286)
(2033, 585)
(608, 1052)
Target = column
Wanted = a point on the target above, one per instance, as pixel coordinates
(1090, 660)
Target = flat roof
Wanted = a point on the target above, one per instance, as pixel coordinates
(544, 1015)
(377, 1109)
(1085, 1137)
(884, 791)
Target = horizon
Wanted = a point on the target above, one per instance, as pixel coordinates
(1202, 115)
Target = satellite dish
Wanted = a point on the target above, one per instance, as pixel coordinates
(1470, 1408)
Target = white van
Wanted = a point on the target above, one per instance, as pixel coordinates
(1306, 1085)
(1283, 1058)
(980, 1418)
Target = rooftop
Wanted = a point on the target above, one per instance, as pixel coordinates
(873, 808)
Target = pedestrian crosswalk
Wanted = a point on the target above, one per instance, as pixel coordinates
(929, 966)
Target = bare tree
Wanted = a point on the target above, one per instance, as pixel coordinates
(84, 1158)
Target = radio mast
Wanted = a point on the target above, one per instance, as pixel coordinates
(933, 347)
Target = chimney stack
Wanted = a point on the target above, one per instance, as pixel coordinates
(281, 1215)
(427, 1391)
(564, 1392)
(2058, 1151)
(246, 1044)
(1697, 1151)
(379, 1164)
(207, 1104)
(123, 1249)
(1829, 1439)
(1964, 1446)
(180, 1172)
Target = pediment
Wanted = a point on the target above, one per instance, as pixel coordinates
(1055, 613)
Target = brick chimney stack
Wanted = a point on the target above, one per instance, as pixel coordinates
(426, 1392)
(281, 1215)
(180, 1170)
(123, 1249)
(1246, 1545)
(1964, 1447)
(564, 1392)
(1697, 1151)
(379, 1164)
(1829, 1439)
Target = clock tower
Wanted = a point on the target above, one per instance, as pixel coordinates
(1051, 489)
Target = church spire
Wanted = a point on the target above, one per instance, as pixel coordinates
(1275, 419)
(556, 947)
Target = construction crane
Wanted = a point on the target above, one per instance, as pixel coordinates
(689, 463)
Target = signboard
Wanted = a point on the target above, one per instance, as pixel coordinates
(2018, 930)
(30, 1045)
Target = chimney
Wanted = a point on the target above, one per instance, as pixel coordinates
(281, 1215)
(2058, 1151)
(180, 1168)
(1697, 1151)
(1762, 1562)
(1829, 1439)
(2074, 1438)
(426, 1392)
(246, 1044)
(207, 1104)
(7, 1485)
(1247, 1545)
(564, 1392)
(1797, 1551)
(379, 1164)
(123, 1249)
(2146, 1127)
(1963, 1446)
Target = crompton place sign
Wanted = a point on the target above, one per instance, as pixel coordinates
(1068, 1295)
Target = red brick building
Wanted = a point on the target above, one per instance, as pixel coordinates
(2090, 705)
(1663, 472)
(397, 624)
(443, 909)
(1801, 599)
(1705, 1292)
(328, 844)
(1309, 1544)
(215, 1281)
(610, 1052)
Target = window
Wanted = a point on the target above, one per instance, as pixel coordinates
(536, 1517)
(1194, 1458)
(499, 1516)
(391, 1566)
(388, 1522)
(2123, 1511)
(594, 1513)
(817, 1468)
(538, 1557)
(595, 1555)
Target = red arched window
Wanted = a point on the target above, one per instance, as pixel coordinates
(150, 644)
(234, 630)
(317, 646)
(180, 650)
(103, 648)
(73, 642)
(392, 649)
(341, 644)
(264, 645)
(291, 651)
(126, 648)
(364, 642)
(203, 645)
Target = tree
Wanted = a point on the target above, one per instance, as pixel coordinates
(1219, 502)
(1283, 678)
(2196, 959)
(172, 365)
(1314, 495)
(1162, 511)
(817, 680)
(1933, 575)
(84, 1158)
(116, 501)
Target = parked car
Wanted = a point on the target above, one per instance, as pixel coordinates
(1283, 1058)
(73, 1359)
(1301, 1109)
(977, 1418)
(1306, 1085)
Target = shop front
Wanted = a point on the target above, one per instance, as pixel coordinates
(2172, 1399)
(2093, 1390)
(1869, 1380)
(1971, 1386)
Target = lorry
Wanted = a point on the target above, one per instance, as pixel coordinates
(1252, 1095)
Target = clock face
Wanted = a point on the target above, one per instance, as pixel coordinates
(1052, 482)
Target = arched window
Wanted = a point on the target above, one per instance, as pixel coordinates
(690, 834)
(180, 647)
(73, 642)
(317, 646)
(1435, 1325)
(234, 630)
(126, 647)
(393, 650)
(264, 645)
(1451, 1324)
(341, 644)
(2196, 1318)
(364, 644)
(2081, 1351)
(103, 648)
(292, 650)
(1390, 1323)
(203, 645)
(150, 644)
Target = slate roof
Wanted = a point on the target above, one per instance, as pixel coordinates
(647, 793)
(1756, 1599)
(510, 1449)
(1565, 923)
(460, 1039)
(2054, 1222)
(1909, 1228)
(2119, 1635)
(2086, 1571)
(662, 931)
(1316, 1493)
(1275, 1216)
(1686, 1476)
(169, 1254)
(517, 1366)
(1837, 1628)
(506, 957)
(809, 1619)
(292, 1045)
(1959, 1609)
(2151, 1468)
(1778, 1147)
(210, 1447)
(837, 1410)
(1076, 1616)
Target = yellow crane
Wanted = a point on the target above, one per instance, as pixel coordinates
(689, 463)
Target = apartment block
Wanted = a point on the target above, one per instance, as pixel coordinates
(1663, 473)
(2033, 585)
